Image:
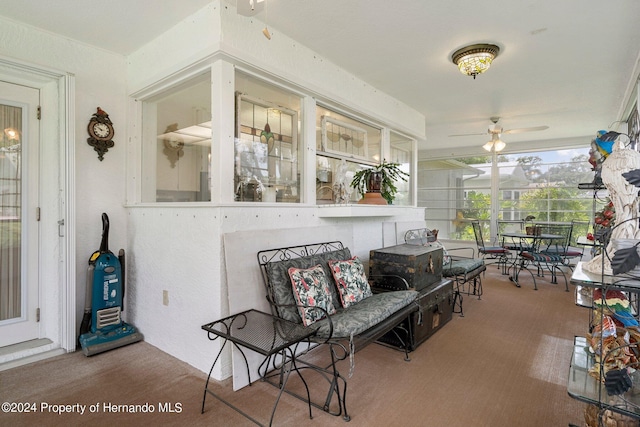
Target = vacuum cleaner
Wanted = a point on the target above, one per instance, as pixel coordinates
(102, 328)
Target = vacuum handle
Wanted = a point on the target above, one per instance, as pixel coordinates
(123, 268)
(104, 244)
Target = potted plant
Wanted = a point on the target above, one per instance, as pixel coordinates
(529, 228)
(377, 184)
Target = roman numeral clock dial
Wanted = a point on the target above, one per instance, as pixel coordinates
(101, 133)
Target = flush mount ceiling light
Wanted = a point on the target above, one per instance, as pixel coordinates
(475, 59)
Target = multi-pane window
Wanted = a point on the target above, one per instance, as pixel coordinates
(343, 146)
(542, 184)
(402, 149)
(267, 155)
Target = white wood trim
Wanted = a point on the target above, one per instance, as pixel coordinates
(40, 76)
(68, 291)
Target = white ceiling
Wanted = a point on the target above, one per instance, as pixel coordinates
(566, 64)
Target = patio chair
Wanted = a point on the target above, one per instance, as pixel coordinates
(548, 252)
(513, 244)
(498, 254)
(574, 250)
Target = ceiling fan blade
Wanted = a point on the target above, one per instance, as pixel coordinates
(470, 134)
(521, 130)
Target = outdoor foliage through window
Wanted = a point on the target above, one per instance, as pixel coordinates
(542, 184)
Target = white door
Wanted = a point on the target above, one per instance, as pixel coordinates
(19, 149)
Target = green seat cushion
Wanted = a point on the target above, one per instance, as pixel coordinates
(462, 266)
(366, 313)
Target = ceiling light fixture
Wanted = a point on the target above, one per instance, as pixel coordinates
(496, 143)
(475, 59)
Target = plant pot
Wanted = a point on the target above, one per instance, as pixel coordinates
(372, 198)
(533, 231)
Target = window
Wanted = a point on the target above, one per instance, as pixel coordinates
(267, 155)
(542, 184)
(509, 212)
(343, 146)
(176, 146)
(402, 149)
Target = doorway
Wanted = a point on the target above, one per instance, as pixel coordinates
(19, 160)
(37, 208)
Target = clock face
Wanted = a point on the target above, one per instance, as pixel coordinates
(101, 130)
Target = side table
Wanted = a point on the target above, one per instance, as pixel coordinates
(267, 335)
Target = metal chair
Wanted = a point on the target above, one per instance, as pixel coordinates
(517, 245)
(574, 250)
(548, 252)
(497, 253)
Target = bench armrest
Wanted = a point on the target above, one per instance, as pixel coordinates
(326, 316)
(402, 283)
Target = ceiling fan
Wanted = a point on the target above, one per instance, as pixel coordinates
(495, 130)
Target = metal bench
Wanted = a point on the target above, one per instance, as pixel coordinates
(348, 329)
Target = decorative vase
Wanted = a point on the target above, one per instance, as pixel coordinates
(372, 198)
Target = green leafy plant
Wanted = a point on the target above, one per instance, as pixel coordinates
(390, 173)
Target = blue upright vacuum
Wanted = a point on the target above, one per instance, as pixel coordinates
(102, 328)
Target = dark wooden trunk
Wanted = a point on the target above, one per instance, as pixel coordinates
(420, 266)
(436, 303)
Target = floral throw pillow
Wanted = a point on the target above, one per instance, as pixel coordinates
(351, 280)
(311, 288)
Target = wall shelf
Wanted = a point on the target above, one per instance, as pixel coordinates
(346, 211)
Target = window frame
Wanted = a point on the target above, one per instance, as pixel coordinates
(324, 119)
(295, 148)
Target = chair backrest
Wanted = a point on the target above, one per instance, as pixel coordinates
(580, 229)
(554, 244)
(505, 225)
(477, 231)
(275, 263)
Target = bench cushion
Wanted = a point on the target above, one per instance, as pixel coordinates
(462, 266)
(351, 281)
(278, 277)
(366, 314)
(311, 288)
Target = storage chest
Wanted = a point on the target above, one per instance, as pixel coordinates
(420, 266)
(436, 303)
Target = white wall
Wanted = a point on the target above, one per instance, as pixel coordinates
(176, 248)
(100, 82)
(179, 248)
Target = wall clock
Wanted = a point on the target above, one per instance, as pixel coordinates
(101, 133)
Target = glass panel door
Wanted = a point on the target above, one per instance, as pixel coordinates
(19, 198)
(10, 211)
